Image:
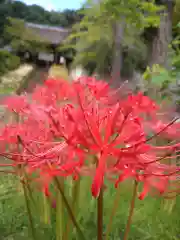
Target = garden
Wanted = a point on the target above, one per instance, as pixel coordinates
(95, 154)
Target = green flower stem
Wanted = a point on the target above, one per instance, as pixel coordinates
(131, 210)
(25, 191)
(71, 215)
(30, 191)
(60, 215)
(75, 198)
(100, 216)
(113, 212)
(46, 210)
(29, 212)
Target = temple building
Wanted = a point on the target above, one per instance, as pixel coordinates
(53, 37)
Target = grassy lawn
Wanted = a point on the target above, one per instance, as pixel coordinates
(150, 222)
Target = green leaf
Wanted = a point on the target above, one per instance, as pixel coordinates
(160, 78)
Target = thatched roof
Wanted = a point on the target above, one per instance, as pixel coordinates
(54, 35)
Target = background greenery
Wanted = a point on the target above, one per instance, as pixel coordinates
(152, 219)
(8, 62)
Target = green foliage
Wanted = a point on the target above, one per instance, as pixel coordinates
(176, 52)
(20, 37)
(140, 13)
(8, 62)
(37, 14)
(93, 45)
(4, 12)
(176, 16)
(150, 221)
(162, 79)
(34, 14)
(92, 38)
(161, 84)
(158, 76)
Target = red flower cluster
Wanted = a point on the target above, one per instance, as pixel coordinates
(86, 128)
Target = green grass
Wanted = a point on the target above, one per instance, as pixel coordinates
(150, 221)
(7, 90)
(14, 223)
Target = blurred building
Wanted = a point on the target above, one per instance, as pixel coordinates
(54, 38)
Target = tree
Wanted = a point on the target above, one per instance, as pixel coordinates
(4, 12)
(18, 10)
(130, 15)
(160, 44)
(104, 23)
(37, 14)
(20, 37)
(34, 14)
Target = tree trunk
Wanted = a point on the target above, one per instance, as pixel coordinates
(160, 44)
(118, 29)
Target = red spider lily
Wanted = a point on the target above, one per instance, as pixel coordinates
(16, 103)
(85, 128)
(171, 132)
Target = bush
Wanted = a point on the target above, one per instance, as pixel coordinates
(8, 61)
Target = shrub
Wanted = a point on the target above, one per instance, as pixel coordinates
(8, 61)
